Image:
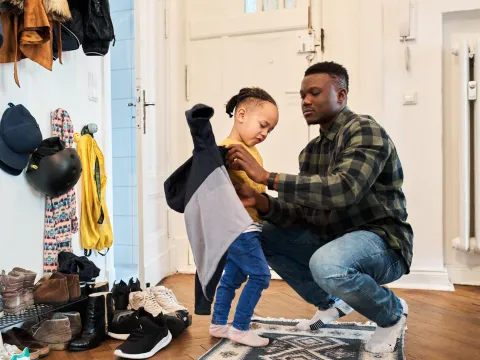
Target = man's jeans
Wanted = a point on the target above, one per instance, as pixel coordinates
(245, 258)
(350, 268)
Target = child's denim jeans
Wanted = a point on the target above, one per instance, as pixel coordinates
(245, 258)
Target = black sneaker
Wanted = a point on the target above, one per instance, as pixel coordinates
(134, 286)
(120, 294)
(145, 341)
(123, 324)
(175, 324)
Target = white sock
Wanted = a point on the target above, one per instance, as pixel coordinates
(219, 331)
(248, 338)
(322, 317)
(384, 340)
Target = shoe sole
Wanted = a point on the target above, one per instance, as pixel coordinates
(163, 343)
(118, 336)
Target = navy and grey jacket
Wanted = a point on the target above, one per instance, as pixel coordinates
(201, 189)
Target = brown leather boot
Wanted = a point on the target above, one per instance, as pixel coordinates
(55, 332)
(53, 289)
(73, 284)
(28, 283)
(11, 287)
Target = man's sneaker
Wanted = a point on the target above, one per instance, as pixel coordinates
(120, 294)
(145, 341)
(1, 306)
(166, 299)
(146, 300)
(134, 285)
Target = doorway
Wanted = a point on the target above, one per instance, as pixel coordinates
(139, 141)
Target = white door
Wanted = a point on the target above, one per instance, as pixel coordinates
(150, 44)
(264, 43)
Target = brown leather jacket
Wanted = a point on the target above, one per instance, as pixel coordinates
(29, 35)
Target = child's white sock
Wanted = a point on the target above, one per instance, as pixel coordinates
(384, 340)
(219, 331)
(248, 338)
(322, 317)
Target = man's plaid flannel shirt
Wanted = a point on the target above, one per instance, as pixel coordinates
(350, 179)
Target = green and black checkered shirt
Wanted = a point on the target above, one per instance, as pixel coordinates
(350, 179)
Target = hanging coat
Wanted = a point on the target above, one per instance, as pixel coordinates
(202, 190)
(95, 226)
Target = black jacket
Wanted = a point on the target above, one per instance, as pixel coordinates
(201, 189)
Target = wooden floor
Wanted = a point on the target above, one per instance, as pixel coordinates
(441, 325)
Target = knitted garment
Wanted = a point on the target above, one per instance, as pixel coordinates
(61, 220)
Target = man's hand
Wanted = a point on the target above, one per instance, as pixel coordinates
(238, 158)
(251, 198)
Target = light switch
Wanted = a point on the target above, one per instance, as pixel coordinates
(409, 97)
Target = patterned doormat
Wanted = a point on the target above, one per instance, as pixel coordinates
(332, 342)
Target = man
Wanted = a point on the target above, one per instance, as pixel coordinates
(338, 230)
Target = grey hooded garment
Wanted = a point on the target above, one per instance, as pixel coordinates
(201, 189)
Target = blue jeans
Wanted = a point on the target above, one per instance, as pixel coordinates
(245, 258)
(351, 268)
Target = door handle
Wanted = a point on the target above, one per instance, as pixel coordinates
(145, 104)
(132, 104)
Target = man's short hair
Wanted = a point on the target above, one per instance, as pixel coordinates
(336, 71)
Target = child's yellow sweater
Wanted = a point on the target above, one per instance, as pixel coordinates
(240, 177)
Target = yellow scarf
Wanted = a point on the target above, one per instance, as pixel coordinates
(95, 226)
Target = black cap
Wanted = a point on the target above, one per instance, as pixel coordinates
(20, 135)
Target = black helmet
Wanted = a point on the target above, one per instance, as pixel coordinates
(53, 169)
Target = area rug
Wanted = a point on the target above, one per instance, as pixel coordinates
(332, 342)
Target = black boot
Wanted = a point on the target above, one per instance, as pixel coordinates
(134, 286)
(98, 287)
(120, 293)
(98, 319)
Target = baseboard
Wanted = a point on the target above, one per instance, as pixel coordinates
(157, 269)
(464, 275)
(417, 279)
(424, 280)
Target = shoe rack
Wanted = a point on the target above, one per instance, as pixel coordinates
(38, 310)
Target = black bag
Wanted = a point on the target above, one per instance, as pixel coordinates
(98, 27)
(71, 33)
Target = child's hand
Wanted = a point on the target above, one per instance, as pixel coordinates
(246, 194)
(239, 158)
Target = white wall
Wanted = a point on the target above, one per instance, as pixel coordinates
(21, 208)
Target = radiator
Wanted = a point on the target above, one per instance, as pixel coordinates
(466, 55)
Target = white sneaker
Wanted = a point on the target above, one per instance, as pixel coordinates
(14, 352)
(146, 300)
(166, 299)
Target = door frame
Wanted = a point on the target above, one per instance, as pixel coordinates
(145, 62)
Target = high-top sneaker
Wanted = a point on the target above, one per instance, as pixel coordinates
(166, 299)
(75, 322)
(146, 300)
(11, 287)
(134, 285)
(28, 284)
(98, 320)
(146, 340)
(120, 294)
